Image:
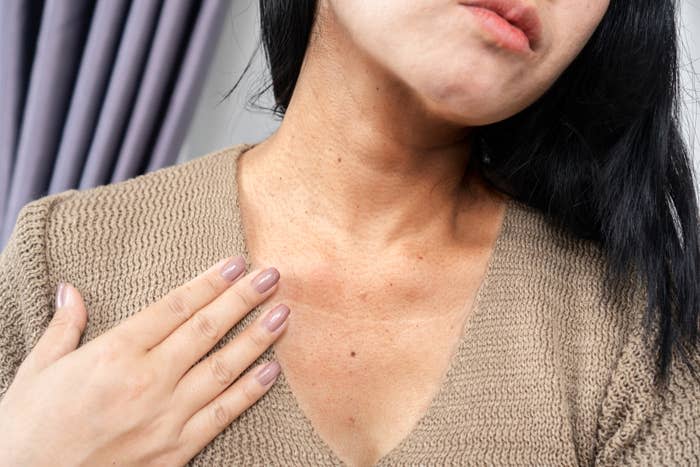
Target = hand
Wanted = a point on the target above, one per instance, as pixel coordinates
(136, 395)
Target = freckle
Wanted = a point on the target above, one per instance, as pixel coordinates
(340, 159)
(420, 257)
(352, 354)
(391, 284)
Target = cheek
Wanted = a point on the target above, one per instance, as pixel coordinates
(370, 24)
(570, 27)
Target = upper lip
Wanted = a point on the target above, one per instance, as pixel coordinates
(516, 12)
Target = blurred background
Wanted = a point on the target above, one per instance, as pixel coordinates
(98, 91)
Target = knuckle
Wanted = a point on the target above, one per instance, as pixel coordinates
(178, 305)
(243, 298)
(220, 415)
(256, 338)
(220, 371)
(204, 326)
(251, 392)
(211, 284)
(136, 384)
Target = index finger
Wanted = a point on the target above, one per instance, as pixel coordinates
(148, 327)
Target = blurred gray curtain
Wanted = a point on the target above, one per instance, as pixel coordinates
(96, 91)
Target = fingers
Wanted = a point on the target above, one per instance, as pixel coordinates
(222, 411)
(188, 343)
(154, 323)
(63, 332)
(210, 377)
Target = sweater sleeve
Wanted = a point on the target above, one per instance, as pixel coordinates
(26, 294)
(639, 426)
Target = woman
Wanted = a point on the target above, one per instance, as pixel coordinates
(463, 214)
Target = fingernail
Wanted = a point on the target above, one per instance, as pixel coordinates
(233, 268)
(268, 373)
(62, 296)
(59, 295)
(266, 279)
(276, 317)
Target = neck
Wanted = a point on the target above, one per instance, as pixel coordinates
(365, 154)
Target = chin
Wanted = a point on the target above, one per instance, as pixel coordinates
(467, 107)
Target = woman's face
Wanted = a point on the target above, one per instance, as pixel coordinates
(463, 69)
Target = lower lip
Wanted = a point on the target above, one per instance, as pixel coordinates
(506, 35)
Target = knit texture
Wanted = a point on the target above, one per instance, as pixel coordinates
(550, 370)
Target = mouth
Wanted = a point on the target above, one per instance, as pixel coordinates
(515, 24)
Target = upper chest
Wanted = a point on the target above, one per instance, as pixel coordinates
(371, 333)
(364, 354)
(364, 382)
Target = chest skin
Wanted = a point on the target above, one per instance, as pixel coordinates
(372, 330)
(364, 385)
(365, 354)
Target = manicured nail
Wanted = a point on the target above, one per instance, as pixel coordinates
(276, 317)
(268, 373)
(266, 279)
(233, 268)
(60, 295)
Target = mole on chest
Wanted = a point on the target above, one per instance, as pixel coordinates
(363, 389)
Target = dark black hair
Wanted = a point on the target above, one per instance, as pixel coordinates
(600, 154)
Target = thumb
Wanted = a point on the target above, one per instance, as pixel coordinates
(64, 330)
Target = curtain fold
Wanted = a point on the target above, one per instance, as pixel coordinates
(48, 92)
(123, 87)
(160, 66)
(199, 54)
(17, 42)
(90, 87)
(96, 91)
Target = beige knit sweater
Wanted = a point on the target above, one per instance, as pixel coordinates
(549, 371)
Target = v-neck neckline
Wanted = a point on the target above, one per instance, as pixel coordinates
(448, 378)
